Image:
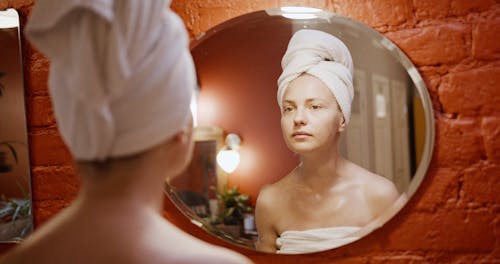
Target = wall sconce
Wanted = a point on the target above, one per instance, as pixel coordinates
(229, 157)
(295, 12)
(298, 12)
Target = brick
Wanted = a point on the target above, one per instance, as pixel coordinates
(431, 9)
(41, 113)
(15, 4)
(54, 183)
(377, 13)
(200, 15)
(47, 148)
(490, 129)
(44, 210)
(210, 17)
(218, 3)
(455, 230)
(434, 45)
(37, 74)
(472, 258)
(480, 185)
(485, 44)
(458, 142)
(432, 79)
(462, 7)
(441, 189)
(265, 4)
(402, 258)
(446, 257)
(461, 93)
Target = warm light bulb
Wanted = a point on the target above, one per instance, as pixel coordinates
(228, 160)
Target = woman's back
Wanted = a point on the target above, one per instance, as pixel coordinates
(98, 234)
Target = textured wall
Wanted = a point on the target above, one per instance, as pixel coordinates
(454, 216)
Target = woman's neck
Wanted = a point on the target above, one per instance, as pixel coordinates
(320, 169)
(125, 188)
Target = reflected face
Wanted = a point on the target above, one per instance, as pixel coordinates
(310, 118)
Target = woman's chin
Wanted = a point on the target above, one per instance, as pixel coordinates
(302, 149)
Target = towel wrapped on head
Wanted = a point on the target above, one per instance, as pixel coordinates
(324, 56)
(121, 75)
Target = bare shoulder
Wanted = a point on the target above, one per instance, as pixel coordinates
(379, 191)
(270, 195)
(266, 201)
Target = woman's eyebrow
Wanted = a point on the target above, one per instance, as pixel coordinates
(308, 100)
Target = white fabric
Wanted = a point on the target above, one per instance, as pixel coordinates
(121, 75)
(314, 240)
(324, 56)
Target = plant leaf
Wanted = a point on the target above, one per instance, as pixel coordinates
(13, 151)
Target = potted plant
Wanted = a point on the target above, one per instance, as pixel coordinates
(235, 206)
(15, 213)
(15, 218)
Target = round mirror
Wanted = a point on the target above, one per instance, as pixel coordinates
(241, 149)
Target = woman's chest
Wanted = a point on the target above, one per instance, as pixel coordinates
(303, 212)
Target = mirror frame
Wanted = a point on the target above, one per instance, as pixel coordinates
(399, 55)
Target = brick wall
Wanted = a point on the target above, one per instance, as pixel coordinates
(454, 216)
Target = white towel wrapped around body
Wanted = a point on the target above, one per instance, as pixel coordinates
(314, 240)
(324, 56)
(121, 75)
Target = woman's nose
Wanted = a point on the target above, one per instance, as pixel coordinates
(300, 117)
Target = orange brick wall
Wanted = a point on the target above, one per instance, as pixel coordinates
(454, 216)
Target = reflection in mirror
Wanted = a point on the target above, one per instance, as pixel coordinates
(15, 193)
(389, 136)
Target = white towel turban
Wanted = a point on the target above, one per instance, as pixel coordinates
(121, 75)
(324, 56)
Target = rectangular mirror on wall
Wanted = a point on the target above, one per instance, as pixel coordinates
(16, 220)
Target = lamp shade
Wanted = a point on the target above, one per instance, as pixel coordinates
(228, 160)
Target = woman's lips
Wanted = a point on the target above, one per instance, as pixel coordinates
(300, 135)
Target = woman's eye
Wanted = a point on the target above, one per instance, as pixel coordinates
(287, 109)
(315, 107)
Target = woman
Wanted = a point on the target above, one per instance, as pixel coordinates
(325, 201)
(120, 82)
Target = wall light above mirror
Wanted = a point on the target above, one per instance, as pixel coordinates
(238, 63)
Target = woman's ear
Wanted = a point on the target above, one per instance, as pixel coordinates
(185, 135)
(342, 124)
(182, 136)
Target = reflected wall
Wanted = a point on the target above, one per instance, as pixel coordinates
(237, 69)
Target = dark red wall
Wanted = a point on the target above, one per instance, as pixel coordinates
(454, 216)
(238, 94)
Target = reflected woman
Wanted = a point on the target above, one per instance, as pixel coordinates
(326, 200)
